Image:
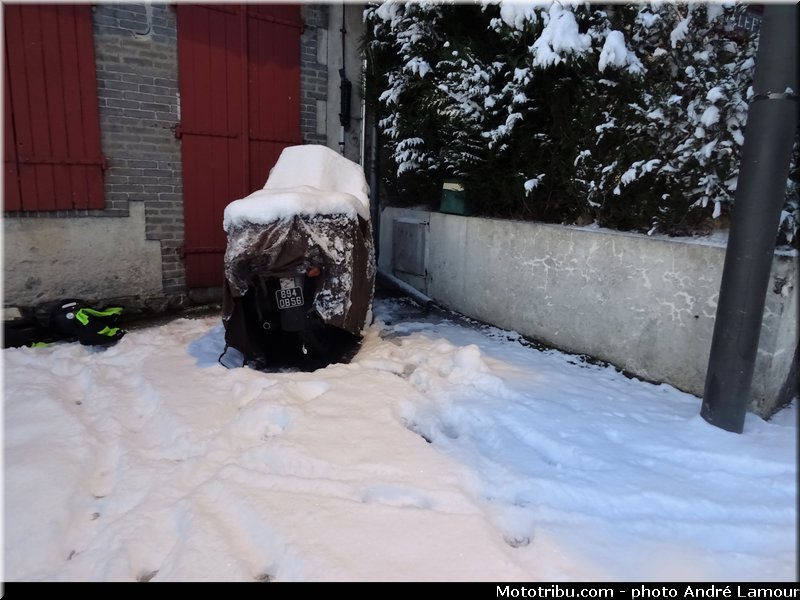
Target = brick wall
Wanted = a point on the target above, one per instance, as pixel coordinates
(313, 74)
(137, 80)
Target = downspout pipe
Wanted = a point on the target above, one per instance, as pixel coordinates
(345, 87)
(374, 186)
(771, 122)
(370, 120)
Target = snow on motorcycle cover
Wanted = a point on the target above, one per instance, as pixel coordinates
(313, 210)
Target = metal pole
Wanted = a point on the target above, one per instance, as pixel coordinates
(374, 185)
(771, 122)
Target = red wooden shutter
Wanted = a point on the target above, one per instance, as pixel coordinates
(11, 199)
(52, 128)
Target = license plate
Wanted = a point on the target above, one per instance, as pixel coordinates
(289, 297)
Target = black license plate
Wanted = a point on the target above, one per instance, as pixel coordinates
(289, 297)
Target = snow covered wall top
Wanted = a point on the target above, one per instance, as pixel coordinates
(306, 180)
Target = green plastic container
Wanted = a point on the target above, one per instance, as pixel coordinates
(454, 198)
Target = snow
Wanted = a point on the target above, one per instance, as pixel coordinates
(715, 94)
(150, 461)
(516, 14)
(522, 75)
(715, 10)
(701, 56)
(680, 31)
(560, 35)
(628, 176)
(533, 183)
(610, 124)
(707, 149)
(306, 180)
(710, 116)
(266, 206)
(583, 154)
(647, 19)
(418, 66)
(388, 11)
(616, 54)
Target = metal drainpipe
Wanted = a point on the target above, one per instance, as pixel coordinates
(374, 187)
(374, 167)
(371, 162)
(362, 108)
(344, 88)
(769, 137)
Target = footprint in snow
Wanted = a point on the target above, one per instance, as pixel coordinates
(261, 420)
(396, 495)
(308, 390)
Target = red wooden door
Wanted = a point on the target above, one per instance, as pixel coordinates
(51, 146)
(239, 71)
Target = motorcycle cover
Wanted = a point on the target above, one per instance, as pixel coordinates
(313, 211)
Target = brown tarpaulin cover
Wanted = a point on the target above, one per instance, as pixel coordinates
(340, 244)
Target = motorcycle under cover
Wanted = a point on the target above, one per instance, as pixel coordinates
(340, 244)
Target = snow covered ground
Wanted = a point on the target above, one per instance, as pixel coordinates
(443, 451)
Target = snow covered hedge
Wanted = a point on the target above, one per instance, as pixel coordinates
(631, 116)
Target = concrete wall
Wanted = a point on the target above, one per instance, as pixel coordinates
(96, 258)
(325, 50)
(343, 53)
(646, 305)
